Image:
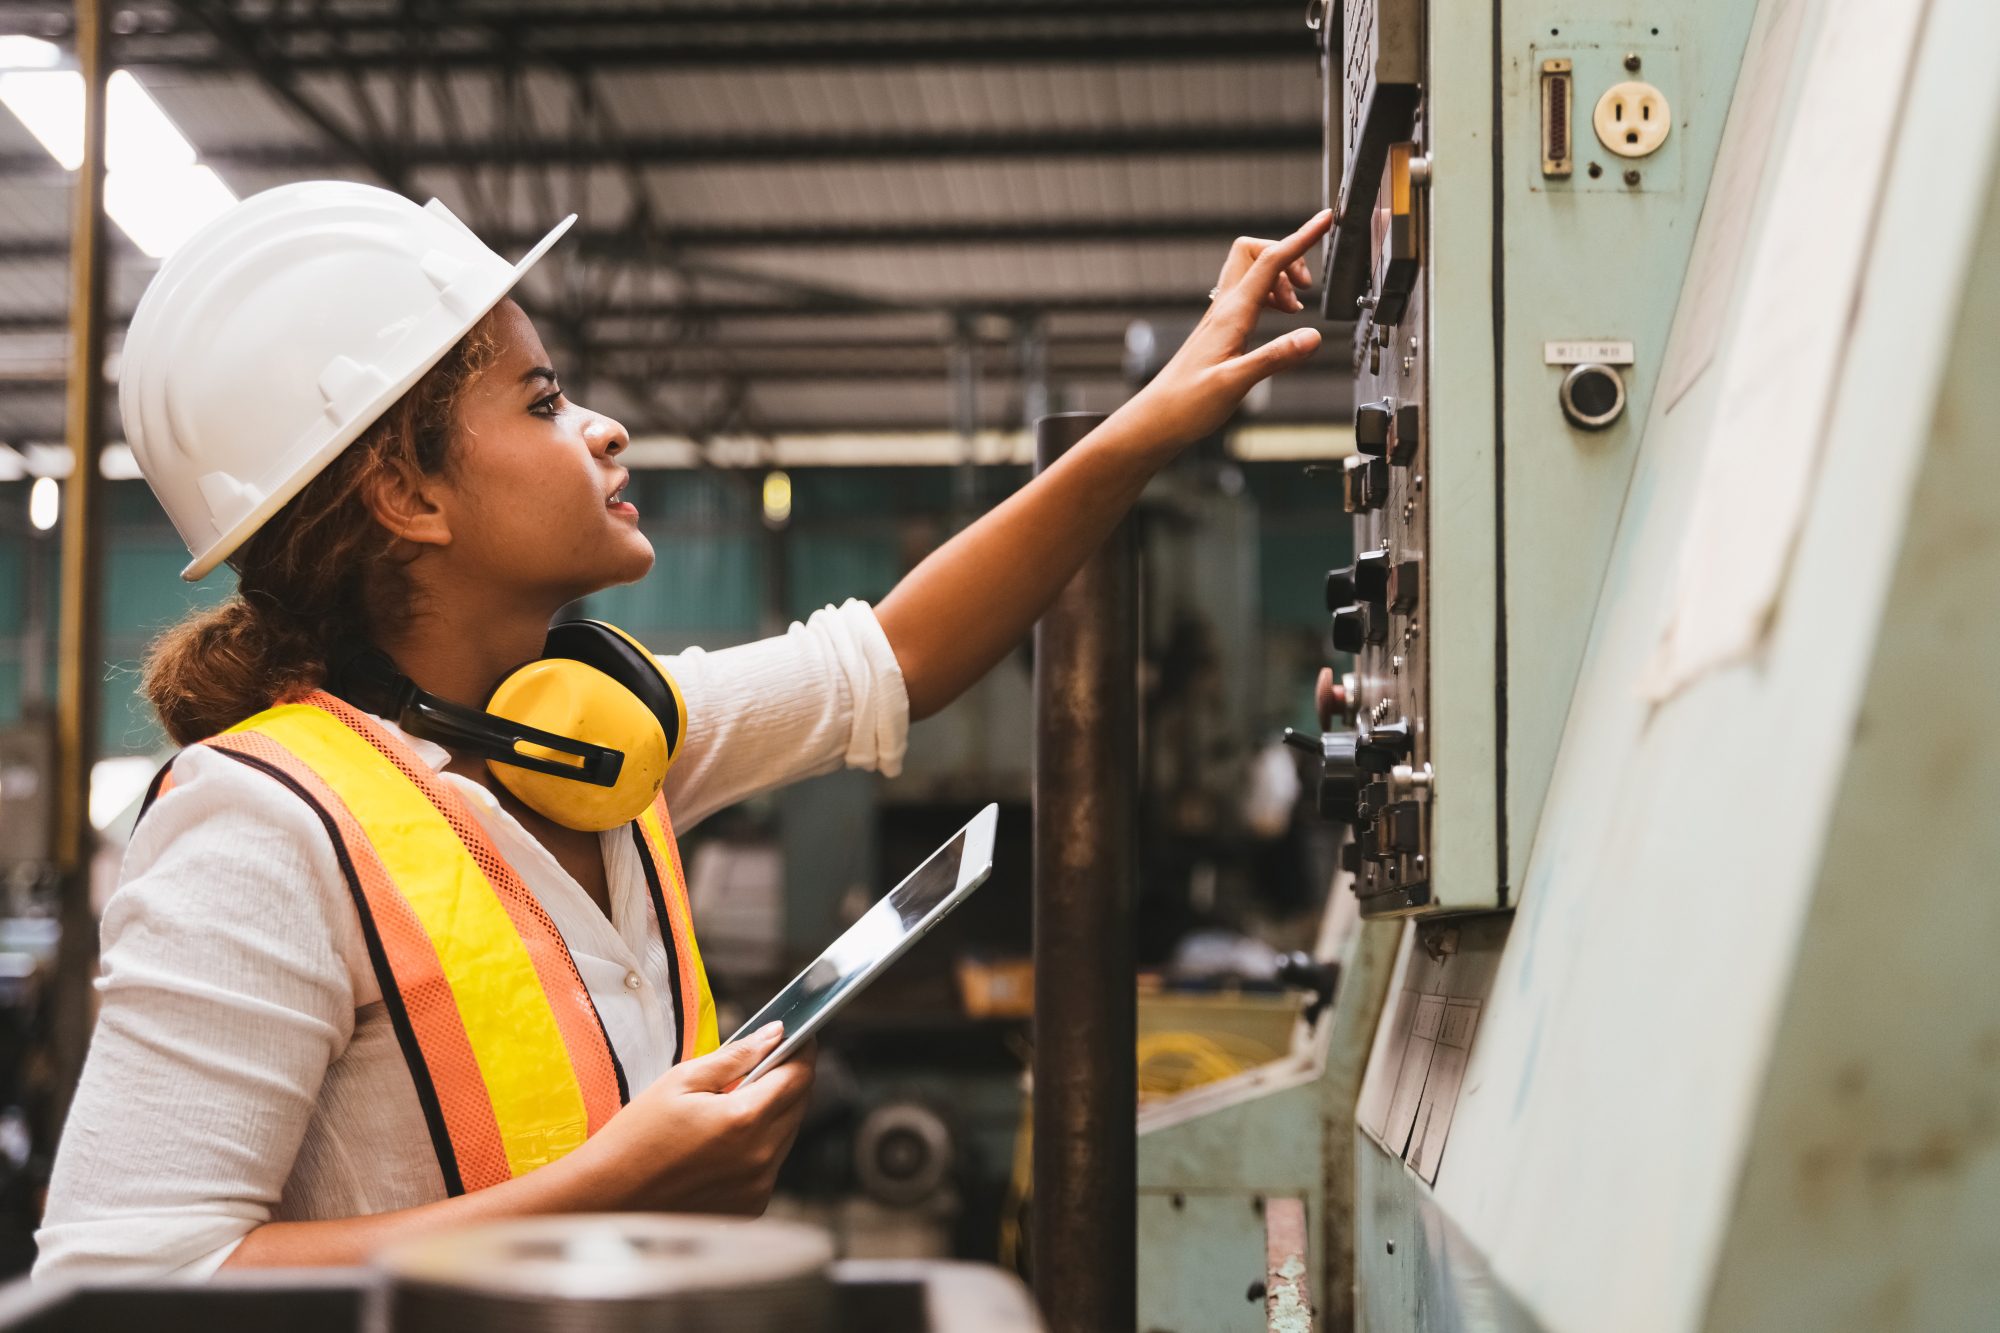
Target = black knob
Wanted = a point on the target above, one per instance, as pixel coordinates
(1351, 626)
(1364, 484)
(1339, 587)
(1404, 578)
(1383, 746)
(1359, 623)
(1409, 433)
(1373, 424)
(1301, 971)
(1339, 779)
(1371, 577)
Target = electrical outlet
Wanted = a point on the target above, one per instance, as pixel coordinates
(1632, 119)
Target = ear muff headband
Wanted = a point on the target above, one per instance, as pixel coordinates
(617, 695)
(366, 678)
(624, 659)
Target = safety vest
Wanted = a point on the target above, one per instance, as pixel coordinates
(510, 1058)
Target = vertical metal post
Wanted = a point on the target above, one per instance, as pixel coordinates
(80, 634)
(1084, 1243)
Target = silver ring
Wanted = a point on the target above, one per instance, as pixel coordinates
(1215, 291)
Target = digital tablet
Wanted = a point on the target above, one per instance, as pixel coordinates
(946, 879)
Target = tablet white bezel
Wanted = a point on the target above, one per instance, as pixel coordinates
(974, 865)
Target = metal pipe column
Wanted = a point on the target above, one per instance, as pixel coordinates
(80, 653)
(1084, 1241)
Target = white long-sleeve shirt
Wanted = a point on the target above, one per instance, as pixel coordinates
(244, 1069)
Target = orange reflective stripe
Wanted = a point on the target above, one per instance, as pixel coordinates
(694, 1005)
(494, 1097)
(414, 988)
(591, 1057)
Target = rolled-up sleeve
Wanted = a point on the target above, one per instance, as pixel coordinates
(825, 693)
(226, 992)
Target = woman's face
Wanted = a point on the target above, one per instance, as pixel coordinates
(534, 494)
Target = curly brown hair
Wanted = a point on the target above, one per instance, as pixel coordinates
(305, 578)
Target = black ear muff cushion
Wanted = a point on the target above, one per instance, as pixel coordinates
(596, 644)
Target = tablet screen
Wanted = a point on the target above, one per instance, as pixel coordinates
(877, 935)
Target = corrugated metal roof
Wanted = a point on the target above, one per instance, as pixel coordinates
(940, 195)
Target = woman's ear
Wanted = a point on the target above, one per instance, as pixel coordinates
(407, 503)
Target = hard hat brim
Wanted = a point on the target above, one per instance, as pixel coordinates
(221, 549)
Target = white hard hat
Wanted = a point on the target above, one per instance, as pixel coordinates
(279, 333)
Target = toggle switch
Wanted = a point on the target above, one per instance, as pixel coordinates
(1383, 746)
(1339, 778)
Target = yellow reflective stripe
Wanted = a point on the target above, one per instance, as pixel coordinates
(508, 1022)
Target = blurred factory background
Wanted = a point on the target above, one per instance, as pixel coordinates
(833, 260)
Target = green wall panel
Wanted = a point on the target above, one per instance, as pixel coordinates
(698, 583)
(1293, 555)
(827, 569)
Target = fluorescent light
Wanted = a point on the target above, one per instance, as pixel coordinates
(141, 136)
(50, 104)
(44, 503)
(28, 53)
(153, 188)
(138, 134)
(160, 209)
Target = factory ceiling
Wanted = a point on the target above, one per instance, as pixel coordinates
(796, 217)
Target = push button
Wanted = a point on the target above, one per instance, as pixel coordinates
(1372, 425)
(1409, 431)
(1403, 581)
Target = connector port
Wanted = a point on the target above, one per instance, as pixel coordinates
(1557, 77)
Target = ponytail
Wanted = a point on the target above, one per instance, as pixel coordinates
(321, 571)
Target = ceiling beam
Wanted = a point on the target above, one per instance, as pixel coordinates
(698, 314)
(808, 149)
(481, 48)
(670, 238)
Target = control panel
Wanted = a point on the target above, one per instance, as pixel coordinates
(1512, 214)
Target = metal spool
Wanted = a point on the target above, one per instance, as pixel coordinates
(903, 1154)
(613, 1273)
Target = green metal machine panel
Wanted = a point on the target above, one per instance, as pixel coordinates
(1493, 504)
(1214, 1295)
(1735, 1067)
(1588, 258)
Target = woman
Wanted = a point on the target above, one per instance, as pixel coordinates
(258, 1091)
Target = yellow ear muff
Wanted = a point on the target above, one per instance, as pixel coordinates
(571, 699)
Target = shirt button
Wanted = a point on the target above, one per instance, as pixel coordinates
(633, 981)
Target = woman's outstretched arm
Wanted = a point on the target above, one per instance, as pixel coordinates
(959, 611)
